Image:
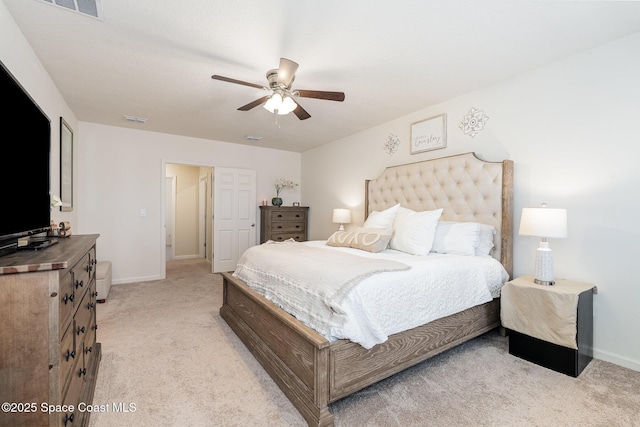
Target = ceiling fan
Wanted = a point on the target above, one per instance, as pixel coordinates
(281, 101)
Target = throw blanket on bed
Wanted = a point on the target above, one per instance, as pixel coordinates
(346, 293)
(306, 273)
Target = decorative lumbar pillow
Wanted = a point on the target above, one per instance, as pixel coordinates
(371, 240)
(341, 239)
(460, 238)
(414, 232)
(383, 219)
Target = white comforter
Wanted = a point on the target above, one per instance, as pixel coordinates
(387, 302)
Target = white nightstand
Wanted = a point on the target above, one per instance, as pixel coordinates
(551, 326)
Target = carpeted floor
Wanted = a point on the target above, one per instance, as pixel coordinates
(170, 360)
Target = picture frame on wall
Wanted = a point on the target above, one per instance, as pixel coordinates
(66, 166)
(429, 134)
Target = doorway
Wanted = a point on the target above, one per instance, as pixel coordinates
(189, 225)
(188, 210)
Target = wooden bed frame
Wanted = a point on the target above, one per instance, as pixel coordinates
(314, 372)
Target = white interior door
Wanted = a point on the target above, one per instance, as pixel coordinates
(202, 216)
(234, 216)
(170, 210)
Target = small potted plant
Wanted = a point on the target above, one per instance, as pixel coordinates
(280, 185)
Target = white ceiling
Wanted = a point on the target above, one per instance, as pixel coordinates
(154, 58)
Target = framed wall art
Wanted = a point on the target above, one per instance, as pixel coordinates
(429, 134)
(66, 166)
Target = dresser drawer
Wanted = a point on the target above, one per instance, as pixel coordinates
(288, 215)
(281, 237)
(68, 356)
(89, 344)
(71, 399)
(66, 297)
(81, 276)
(82, 320)
(287, 227)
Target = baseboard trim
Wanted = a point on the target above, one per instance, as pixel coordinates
(617, 360)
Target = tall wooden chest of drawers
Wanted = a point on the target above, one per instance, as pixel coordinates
(279, 223)
(49, 356)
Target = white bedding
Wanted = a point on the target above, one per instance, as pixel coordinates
(436, 285)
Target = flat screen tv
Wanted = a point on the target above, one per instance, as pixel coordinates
(24, 165)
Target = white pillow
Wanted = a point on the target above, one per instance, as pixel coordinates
(398, 222)
(414, 231)
(460, 238)
(382, 219)
(485, 241)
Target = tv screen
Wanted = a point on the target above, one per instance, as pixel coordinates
(25, 164)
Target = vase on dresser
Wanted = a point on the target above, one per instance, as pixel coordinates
(276, 201)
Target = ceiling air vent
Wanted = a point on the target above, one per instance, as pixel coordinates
(91, 8)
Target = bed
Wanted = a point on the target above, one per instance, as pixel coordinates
(314, 371)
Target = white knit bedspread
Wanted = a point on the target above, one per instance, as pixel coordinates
(384, 303)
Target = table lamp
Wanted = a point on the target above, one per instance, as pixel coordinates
(543, 222)
(341, 216)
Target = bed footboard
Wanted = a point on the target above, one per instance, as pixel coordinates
(314, 372)
(295, 356)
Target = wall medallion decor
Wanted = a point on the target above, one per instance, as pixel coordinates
(429, 134)
(391, 144)
(473, 122)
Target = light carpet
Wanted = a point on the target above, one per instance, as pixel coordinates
(170, 360)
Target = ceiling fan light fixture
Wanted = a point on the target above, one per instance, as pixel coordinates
(279, 105)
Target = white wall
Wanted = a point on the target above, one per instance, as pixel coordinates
(571, 130)
(122, 171)
(16, 54)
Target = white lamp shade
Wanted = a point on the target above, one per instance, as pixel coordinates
(341, 216)
(282, 106)
(543, 222)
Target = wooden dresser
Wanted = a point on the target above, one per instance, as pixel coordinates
(280, 223)
(49, 356)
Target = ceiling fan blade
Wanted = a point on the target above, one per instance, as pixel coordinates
(239, 82)
(254, 104)
(286, 71)
(319, 94)
(301, 113)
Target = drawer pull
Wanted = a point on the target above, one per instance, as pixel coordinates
(297, 226)
(279, 226)
(81, 329)
(79, 283)
(297, 215)
(94, 261)
(94, 327)
(70, 354)
(94, 293)
(89, 268)
(67, 418)
(82, 371)
(88, 350)
(68, 297)
(279, 215)
(90, 306)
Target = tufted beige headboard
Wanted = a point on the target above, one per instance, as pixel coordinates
(466, 187)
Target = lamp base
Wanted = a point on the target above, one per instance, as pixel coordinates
(544, 265)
